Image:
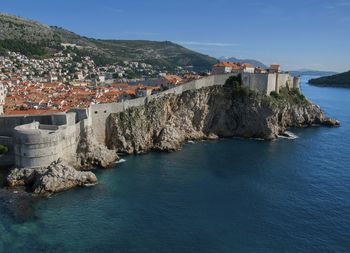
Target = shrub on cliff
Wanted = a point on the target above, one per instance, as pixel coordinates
(3, 149)
(292, 96)
(274, 94)
(234, 81)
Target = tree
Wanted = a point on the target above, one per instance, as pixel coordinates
(235, 81)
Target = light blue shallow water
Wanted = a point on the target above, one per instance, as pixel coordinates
(219, 196)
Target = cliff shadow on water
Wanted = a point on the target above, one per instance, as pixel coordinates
(210, 113)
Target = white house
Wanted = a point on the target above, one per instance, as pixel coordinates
(225, 68)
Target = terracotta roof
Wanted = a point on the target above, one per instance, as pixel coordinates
(232, 65)
(173, 79)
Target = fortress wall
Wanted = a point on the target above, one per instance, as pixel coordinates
(296, 82)
(258, 82)
(284, 80)
(100, 112)
(221, 79)
(8, 123)
(267, 83)
(37, 146)
(271, 84)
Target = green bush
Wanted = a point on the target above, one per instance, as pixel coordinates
(234, 81)
(3, 149)
(274, 94)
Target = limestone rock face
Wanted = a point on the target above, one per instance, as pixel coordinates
(55, 178)
(212, 112)
(92, 154)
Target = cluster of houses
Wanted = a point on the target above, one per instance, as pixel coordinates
(68, 67)
(27, 97)
(32, 86)
(235, 67)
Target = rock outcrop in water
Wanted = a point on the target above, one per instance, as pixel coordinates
(60, 176)
(213, 112)
(55, 178)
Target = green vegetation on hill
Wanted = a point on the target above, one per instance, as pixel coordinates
(338, 80)
(23, 47)
(34, 39)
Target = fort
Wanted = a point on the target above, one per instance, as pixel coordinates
(38, 140)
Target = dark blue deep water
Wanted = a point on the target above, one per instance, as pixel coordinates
(230, 195)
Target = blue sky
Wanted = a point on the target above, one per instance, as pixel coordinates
(297, 34)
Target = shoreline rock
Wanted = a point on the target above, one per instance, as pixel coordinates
(45, 181)
(329, 122)
(92, 154)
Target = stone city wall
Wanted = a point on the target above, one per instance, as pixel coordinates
(8, 123)
(267, 83)
(100, 112)
(37, 145)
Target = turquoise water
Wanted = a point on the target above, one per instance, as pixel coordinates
(230, 195)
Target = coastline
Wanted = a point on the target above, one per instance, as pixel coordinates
(199, 111)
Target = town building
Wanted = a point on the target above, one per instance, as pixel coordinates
(275, 68)
(248, 68)
(169, 81)
(225, 68)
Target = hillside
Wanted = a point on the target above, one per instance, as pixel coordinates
(255, 63)
(39, 40)
(338, 80)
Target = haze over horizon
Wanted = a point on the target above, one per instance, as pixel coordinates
(298, 34)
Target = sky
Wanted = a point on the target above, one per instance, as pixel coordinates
(312, 34)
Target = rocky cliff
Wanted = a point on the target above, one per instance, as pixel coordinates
(213, 112)
(48, 180)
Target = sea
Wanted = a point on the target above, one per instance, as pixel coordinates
(229, 195)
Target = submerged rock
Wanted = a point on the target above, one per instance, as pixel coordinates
(18, 204)
(331, 122)
(55, 178)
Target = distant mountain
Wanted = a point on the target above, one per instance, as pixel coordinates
(338, 80)
(255, 63)
(39, 40)
(310, 72)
